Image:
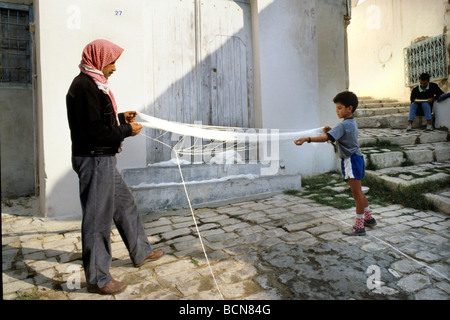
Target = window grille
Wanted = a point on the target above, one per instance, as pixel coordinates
(426, 56)
(15, 44)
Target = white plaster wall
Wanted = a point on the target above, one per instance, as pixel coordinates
(442, 114)
(287, 88)
(63, 29)
(331, 58)
(378, 33)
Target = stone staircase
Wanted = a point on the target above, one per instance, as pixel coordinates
(395, 156)
(385, 113)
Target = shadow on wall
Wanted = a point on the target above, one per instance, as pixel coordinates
(17, 143)
(199, 72)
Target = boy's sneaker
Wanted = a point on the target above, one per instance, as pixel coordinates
(409, 127)
(370, 223)
(355, 232)
(429, 127)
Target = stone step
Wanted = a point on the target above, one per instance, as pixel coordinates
(441, 200)
(361, 98)
(375, 104)
(406, 155)
(366, 99)
(394, 121)
(394, 177)
(168, 172)
(385, 136)
(370, 112)
(212, 192)
(387, 157)
(160, 187)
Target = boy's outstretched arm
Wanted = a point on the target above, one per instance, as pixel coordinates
(300, 141)
(323, 138)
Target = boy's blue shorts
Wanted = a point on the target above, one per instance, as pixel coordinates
(353, 167)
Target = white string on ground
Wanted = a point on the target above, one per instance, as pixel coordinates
(397, 250)
(192, 212)
(196, 226)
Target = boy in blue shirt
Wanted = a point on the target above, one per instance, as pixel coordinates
(345, 134)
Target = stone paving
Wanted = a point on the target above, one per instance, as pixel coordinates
(281, 248)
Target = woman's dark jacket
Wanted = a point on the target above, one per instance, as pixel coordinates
(92, 121)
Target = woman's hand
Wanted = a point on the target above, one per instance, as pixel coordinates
(130, 116)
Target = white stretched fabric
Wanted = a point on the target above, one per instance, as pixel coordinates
(222, 133)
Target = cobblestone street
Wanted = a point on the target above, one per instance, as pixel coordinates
(280, 248)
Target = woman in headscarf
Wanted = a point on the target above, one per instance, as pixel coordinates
(97, 132)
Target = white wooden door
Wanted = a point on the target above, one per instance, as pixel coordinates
(227, 66)
(200, 66)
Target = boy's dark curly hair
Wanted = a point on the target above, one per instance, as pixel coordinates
(347, 98)
(424, 77)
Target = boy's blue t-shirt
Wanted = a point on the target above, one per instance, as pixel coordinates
(346, 136)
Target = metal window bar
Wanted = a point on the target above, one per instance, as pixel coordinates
(15, 46)
(426, 56)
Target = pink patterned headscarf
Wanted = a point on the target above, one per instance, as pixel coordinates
(96, 56)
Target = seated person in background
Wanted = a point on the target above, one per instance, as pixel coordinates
(423, 95)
